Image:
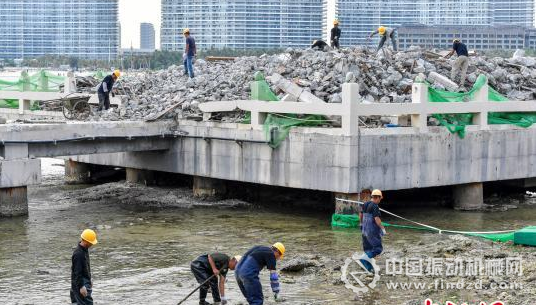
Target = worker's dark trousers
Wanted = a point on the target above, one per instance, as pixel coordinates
(335, 43)
(247, 277)
(202, 272)
(104, 101)
(78, 299)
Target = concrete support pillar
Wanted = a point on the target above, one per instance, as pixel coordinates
(77, 172)
(209, 187)
(140, 176)
(468, 197)
(350, 208)
(13, 201)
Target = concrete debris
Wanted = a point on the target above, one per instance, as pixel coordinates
(312, 76)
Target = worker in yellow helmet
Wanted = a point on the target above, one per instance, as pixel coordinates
(81, 284)
(372, 230)
(105, 89)
(251, 264)
(335, 34)
(386, 32)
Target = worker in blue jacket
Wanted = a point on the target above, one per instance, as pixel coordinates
(372, 230)
(251, 264)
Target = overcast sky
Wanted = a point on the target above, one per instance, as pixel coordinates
(134, 12)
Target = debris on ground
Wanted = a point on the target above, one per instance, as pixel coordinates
(320, 74)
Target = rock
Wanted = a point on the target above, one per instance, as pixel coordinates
(297, 264)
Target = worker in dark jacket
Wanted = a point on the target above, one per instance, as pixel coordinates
(251, 264)
(81, 284)
(335, 34)
(372, 230)
(105, 88)
(214, 267)
(318, 45)
(462, 62)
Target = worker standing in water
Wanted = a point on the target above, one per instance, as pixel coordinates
(251, 264)
(214, 267)
(335, 34)
(372, 230)
(386, 32)
(81, 284)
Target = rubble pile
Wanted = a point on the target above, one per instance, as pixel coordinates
(384, 78)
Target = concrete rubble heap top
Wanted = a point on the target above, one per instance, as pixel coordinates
(317, 72)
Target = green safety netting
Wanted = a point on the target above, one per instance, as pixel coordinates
(352, 221)
(42, 81)
(277, 126)
(456, 123)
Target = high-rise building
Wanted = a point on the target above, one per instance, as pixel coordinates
(513, 12)
(147, 36)
(360, 17)
(242, 24)
(79, 28)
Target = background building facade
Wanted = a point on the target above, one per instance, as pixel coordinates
(242, 24)
(360, 17)
(147, 36)
(80, 28)
(502, 37)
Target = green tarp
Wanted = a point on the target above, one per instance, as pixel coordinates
(456, 123)
(527, 237)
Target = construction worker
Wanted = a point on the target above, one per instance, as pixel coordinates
(319, 45)
(372, 230)
(105, 88)
(335, 34)
(81, 284)
(385, 33)
(252, 262)
(462, 62)
(189, 53)
(213, 267)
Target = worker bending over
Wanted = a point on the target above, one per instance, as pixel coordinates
(105, 88)
(385, 33)
(372, 230)
(462, 62)
(319, 45)
(81, 284)
(335, 34)
(247, 271)
(213, 267)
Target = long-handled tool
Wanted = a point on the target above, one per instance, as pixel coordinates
(193, 291)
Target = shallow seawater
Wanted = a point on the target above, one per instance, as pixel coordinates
(143, 254)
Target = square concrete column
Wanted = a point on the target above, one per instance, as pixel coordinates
(77, 172)
(13, 201)
(209, 187)
(343, 207)
(140, 176)
(468, 197)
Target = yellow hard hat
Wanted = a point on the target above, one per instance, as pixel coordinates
(280, 247)
(90, 236)
(186, 30)
(237, 258)
(377, 193)
(117, 73)
(456, 40)
(336, 22)
(381, 30)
